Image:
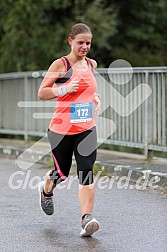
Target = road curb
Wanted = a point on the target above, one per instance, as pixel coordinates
(15, 152)
(142, 179)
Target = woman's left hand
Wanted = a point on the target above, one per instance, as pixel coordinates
(97, 102)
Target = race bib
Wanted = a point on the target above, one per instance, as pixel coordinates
(80, 112)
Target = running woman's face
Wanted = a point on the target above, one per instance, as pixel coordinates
(81, 44)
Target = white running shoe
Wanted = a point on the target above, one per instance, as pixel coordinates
(89, 226)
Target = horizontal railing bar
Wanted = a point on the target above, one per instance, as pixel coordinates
(162, 69)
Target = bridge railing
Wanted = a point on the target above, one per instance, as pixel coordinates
(129, 116)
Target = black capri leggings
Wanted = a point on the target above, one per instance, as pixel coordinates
(83, 145)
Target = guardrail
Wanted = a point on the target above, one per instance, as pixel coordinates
(128, 116)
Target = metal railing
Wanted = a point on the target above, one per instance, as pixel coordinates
(121, 122)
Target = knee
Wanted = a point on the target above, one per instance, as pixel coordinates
(55, 177)
(85, 177)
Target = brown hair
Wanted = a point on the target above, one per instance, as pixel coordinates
(78, 29)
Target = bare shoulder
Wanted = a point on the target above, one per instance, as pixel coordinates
(57, 65)
(94, 63)
(55, 71)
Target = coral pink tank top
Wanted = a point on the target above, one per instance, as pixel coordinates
(74, 112)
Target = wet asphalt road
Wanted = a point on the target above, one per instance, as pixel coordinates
(130, 220)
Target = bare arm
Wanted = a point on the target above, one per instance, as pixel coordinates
(96, 97)
(47, 90)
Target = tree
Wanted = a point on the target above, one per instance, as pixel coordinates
(141, 36)
(35, 33)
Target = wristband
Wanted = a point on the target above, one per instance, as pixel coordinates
(62, 91)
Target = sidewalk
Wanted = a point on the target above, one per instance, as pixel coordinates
(109, 163)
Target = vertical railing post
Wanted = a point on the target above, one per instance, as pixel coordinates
(1, 123)
(25, 108)
(148, 122)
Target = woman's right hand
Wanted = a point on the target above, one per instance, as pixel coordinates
(72, 86)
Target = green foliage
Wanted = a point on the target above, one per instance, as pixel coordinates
(97, 169)
(141, 37)
(34, 33)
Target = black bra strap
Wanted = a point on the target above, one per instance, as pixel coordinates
(68, 63)
(90, 62)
